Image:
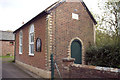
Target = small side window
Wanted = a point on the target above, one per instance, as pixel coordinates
(20, 42)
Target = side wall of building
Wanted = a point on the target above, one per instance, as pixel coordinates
(38, 60)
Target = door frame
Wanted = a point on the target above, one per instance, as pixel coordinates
(69, 49)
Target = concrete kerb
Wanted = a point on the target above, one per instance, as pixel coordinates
(27, 71)
(40, 72)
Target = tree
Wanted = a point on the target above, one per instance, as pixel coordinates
(108, 21)
(106, 52)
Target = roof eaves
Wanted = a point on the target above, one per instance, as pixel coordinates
(59, 2)
(55, 5)
(95, 22)
(39, 15)
(46, 11)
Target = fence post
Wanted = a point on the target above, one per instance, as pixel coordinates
(52, 67)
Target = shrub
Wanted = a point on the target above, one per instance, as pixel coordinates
(8, 54)
(106, 56)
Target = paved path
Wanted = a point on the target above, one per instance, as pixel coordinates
(10, 70)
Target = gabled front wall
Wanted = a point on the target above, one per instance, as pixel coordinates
(38, 60)
(65, 30)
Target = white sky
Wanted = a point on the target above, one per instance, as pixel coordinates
(14, 12)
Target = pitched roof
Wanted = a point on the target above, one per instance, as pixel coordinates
(7, 35)
(91, 16)
(56, 4)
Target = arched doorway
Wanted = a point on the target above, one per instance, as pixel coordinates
(76, 51)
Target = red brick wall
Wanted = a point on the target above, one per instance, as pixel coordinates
(7, 48)
(38, 60)
(65, 29)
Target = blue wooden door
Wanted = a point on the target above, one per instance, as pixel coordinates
(76, 51)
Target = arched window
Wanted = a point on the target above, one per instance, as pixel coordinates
(31, 40)
(20, 42)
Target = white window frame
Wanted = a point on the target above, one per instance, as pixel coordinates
(20, 42)
(31, 32)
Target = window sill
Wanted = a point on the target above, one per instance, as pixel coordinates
(31, 54)
(20, 53)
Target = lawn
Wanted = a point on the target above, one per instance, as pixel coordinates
(7, 59)
(6, 56)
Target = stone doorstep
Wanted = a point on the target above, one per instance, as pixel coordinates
(27, 71)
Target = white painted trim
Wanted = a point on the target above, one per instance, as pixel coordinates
(31, 54)
(19, 41)
(32, 25)
(75, 16)
(94, 33)
(20, 53)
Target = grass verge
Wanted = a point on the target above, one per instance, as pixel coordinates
(9, 59)
(6, 56)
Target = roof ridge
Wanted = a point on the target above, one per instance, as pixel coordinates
(54, 5)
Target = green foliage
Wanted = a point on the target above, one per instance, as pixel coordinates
(106, 52)
(103, 38)
(106, 56)
(6, 56)
(108, 21)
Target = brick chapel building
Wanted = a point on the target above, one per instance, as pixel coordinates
(7, 43)
(65, 29)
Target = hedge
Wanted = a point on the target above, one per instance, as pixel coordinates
(106, 56)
